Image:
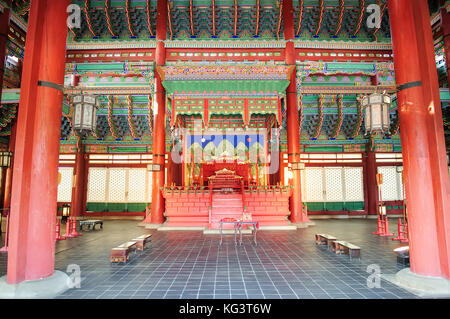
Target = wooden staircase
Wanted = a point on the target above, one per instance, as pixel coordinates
(226, 205)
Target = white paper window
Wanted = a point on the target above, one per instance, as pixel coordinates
(314, 185)
(66, 184)
(391, 189)
(97, 185)
(117, 185)
(137, 185)
(354, 189)
(333, 185)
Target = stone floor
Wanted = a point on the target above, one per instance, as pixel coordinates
(188, 264)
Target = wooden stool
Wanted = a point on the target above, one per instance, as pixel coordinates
(143, 241)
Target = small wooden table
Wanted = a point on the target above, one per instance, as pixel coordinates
(343, 247)
(143, 241)
(130, 245)
(228, 221)
(255, 226)
(325, 239)
(91, 222)
(119, 254)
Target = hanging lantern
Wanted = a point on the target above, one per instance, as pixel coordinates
(84, 118)
(376, 109)
(66, 210)
(65, 213)
(5, 159)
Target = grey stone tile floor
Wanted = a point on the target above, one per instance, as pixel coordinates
(189, 264)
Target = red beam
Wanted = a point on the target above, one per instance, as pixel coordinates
(191, 17)
(108, 19)
(341, 15)
(214, 17)
(127, 8)
(300, 18)
(319, 22)
(88, 18)
(257, 17)
(280, 18)
(82, 58)
(169, 18)
(235, 17)
(149, 22)
(216, 52)
(325, 55)
(344, 57)
(383, 8)
(360, 18)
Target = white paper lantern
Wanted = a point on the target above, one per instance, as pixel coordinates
(84, 119)
(376, 109)
(5, 159)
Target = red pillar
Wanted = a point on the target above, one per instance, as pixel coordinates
(9, 171)
(427, 183)
(170, 169)
(79, 190)
(85, 185)
(159, 132)
(31, 250)
(370, 184)
(281, 174)
(293, 131)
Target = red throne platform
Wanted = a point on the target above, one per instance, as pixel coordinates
(225, 193)
(210, 168)
(225, 179)
(197, 206)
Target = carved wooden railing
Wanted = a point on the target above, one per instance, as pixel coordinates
(185, 189)
(269, 189)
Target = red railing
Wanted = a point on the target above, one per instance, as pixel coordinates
(243, 197)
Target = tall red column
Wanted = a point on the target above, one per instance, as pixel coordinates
(79, 190)
(170, 172)
(370, 184)
(31, 250)
(293, 130)
(159, 132)
(421, 128)
(9, 171)
(281, 174)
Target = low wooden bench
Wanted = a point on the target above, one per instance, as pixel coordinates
(131, 245)
(91, 222)
(122, 253)
(343, 247)
(325, 239)
(143, 241)
(119, 254)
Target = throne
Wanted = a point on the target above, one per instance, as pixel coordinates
(225, 179)
(225, 165)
